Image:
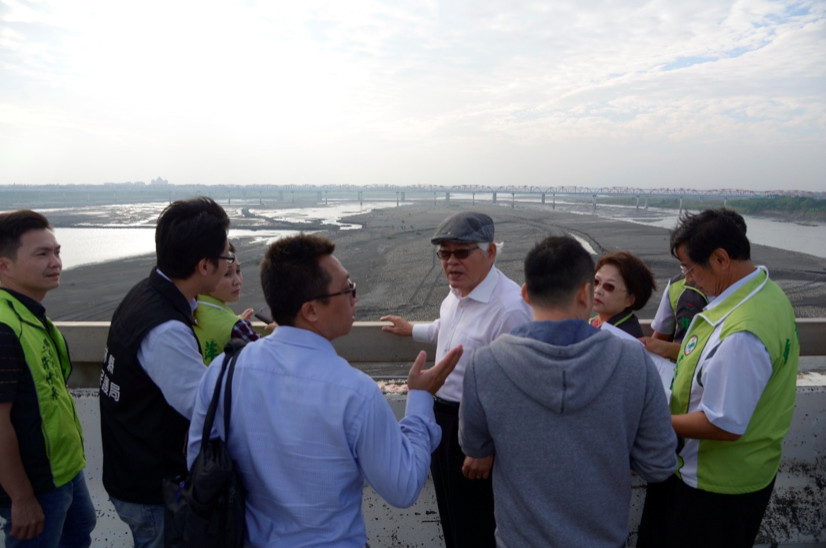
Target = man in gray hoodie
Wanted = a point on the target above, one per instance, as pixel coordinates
(564, 408)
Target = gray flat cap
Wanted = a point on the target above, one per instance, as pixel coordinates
(464, 227)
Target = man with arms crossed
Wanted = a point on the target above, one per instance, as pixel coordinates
(307, 429)
(43, 496)
(733, 393)
(153, 365)
(566, 408)
(482, 304)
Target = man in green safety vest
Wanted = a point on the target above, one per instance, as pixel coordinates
(43, 495)
(733, 392)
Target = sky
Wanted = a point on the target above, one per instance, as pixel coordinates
(704, 94)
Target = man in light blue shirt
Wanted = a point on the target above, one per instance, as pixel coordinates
(307, 429)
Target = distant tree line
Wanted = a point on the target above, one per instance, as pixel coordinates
(788, 207)
(812, 209)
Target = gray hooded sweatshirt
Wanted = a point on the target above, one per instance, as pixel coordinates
(569, 411)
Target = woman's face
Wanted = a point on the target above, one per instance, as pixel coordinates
(228, 289)
(610, 292)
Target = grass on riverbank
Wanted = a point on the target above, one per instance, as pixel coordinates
(796, 208)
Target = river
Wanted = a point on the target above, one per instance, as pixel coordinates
(111, 241)
(108, 241)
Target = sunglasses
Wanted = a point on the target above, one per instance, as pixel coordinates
(608, 287)
(462, 253)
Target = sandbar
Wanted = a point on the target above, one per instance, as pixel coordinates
(396, 270)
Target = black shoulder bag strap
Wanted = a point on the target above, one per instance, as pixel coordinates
(231, 351)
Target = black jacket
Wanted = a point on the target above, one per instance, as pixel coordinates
(144, 438)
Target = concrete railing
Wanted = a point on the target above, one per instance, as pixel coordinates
(796, 514)
(366, 344)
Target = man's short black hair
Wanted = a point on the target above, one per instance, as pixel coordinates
(703, 232)
(291, 274)
(16, 223)
(188, 231)
(555, 269)
(639, 281)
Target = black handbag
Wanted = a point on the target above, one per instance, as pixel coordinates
(206, 508)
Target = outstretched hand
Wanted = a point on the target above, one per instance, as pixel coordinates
(247, 314)
(432, 379)
(400, 326)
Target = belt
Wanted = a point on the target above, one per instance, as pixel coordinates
(445, 405)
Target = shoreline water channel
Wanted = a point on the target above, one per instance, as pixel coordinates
(387, 250)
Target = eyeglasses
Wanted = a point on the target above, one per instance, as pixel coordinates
(351, 290)
(685, 270)
(608, 287)
(228, 258)
(461, 253)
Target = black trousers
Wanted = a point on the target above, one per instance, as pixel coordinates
(465, 506)
(676, 515)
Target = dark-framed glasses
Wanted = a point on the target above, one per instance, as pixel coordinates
(461, 253)
(228, 258)
(351, 290)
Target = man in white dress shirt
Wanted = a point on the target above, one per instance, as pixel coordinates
(482, 304)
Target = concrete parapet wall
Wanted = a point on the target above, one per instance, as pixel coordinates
(796, 514)
(797, 511)
(366, 344)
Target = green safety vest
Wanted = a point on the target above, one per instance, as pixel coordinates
(675, 291)
(48, 359)
(214, 326)
(751, 462)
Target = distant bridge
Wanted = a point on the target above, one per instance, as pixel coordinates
(14, 196)
(321, 194)
(562, 190)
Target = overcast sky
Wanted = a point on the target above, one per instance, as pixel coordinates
(697, 93)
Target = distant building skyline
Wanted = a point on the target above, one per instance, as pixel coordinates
(441, 189)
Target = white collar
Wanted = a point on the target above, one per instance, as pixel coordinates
(734, 287)
(484, 290)
(193, 303)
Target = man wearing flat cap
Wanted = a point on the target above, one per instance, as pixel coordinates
(482, 304)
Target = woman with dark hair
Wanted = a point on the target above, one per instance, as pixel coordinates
(217, 323)
(622, 285)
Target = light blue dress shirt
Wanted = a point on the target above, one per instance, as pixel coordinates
(307, 430)
(170, 355)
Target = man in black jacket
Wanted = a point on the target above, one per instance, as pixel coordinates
(153, 364)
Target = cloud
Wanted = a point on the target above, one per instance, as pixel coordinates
(377, 91)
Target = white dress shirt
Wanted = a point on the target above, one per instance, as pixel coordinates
(733, 380)
(664, 320)
(495, 306)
